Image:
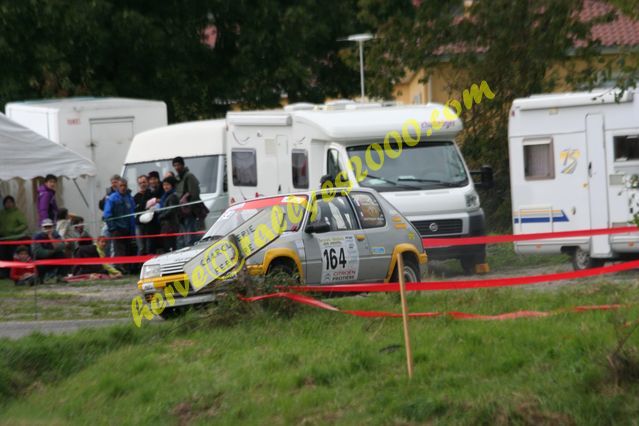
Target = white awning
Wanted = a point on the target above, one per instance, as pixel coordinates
(25, 154)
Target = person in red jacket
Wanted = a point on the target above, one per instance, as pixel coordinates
(26, 274)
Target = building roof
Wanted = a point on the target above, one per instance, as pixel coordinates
(622, 31)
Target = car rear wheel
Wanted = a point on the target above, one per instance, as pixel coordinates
(581, 260)
(283, 271)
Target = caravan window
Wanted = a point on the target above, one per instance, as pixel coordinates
(244, 165)
(332, 163)
(299, 161)
(626, 148)
(538, 159)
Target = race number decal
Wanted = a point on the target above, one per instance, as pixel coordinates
(340, 258)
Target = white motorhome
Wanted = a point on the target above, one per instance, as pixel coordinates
(200, 143)
(573, 158)
(281, 151)
(100, 129)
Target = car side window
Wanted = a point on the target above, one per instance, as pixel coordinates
(337, 212)
(332, 162)
(368, 209)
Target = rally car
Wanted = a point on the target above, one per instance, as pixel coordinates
(326, 237)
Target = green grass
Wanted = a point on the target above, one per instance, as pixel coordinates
(325, 367)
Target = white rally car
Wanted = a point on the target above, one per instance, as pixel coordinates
(326, 238)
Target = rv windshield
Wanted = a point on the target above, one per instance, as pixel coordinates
(428, 165)
(204, 169)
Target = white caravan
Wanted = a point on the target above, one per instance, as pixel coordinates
(573, 160)
(282, 151)
(100, 129)
(200, 143)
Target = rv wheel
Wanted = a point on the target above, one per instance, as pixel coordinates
(581, 260)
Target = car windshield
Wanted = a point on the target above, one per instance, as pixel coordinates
(292, 205)
(428, 165)
(204, 169)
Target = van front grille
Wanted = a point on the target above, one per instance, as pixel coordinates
(436, 227)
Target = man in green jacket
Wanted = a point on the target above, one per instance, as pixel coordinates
(13, 226)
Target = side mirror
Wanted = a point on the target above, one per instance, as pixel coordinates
(317, 228)
(485, 174)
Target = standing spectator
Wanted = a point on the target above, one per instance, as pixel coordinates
(153, 227)
(26, 274)
(115, 181)
(141, 197)
(188, 189)
(13, 226)
(47, 206)
(120, 203)
(169, 219)
(48, 247)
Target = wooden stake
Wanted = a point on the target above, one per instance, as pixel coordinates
(402, 293)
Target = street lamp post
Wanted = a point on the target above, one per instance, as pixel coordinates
(360, 39)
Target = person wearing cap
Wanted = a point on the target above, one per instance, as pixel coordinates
(169, 218)
(48, 246)
(119, 216)
(47, 206)
(13, 226)
(188, 190)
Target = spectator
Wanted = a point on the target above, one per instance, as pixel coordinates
(169, 173)
(13, 226)
(49, 247)
(63, 224)
(119, 212)
(141, 198)
(77, 231)
(115, 181)
(188, 190)
(153, 227)
(169, 219)
(47, 206)
(26, 274)
(97, 250)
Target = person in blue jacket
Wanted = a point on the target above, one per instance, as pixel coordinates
(119, 210)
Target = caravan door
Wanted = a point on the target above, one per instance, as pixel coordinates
(597, 184)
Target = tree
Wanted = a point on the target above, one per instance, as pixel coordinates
(518, 47)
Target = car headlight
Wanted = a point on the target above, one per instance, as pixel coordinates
(472, 200)
(150, 271)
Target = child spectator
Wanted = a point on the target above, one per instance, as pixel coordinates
(97, 250)
(25, 275)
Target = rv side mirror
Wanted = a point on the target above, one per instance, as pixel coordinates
(485, 174)
(317, 228)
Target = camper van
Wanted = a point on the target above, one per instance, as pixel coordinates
(100, 129)
(200, 143)
(574, 162)
(281, 151)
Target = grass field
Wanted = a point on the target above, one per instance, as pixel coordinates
(322, 367)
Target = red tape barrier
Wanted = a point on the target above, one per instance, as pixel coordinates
(307, 300)
(495, 239)
(76, 261)
(125, 237)
(465, 284)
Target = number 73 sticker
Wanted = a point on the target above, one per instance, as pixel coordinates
(340, 258)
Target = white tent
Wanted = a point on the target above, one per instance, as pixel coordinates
(25, 155)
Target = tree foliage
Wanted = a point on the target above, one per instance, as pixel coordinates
(154, 49)
(519, 47)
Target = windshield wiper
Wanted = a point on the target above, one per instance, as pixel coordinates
(209, 238)
(369, 176)
(440, 182)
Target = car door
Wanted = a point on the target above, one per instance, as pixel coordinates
(336, 256)
(376, 228)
